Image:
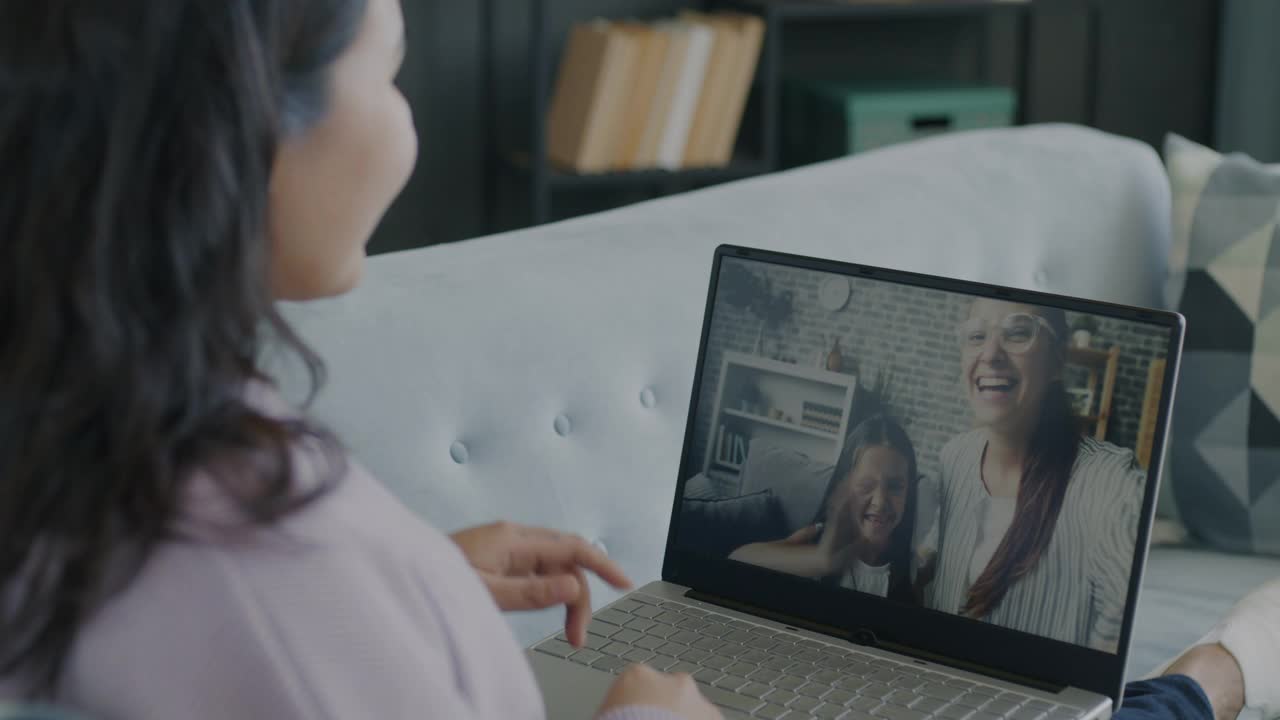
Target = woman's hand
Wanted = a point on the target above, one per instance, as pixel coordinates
(528, 568)
(642, 685)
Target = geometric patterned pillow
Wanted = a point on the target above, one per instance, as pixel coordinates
(1225, 278)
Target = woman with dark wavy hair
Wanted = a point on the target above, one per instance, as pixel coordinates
(175, 541)
(1039, 523)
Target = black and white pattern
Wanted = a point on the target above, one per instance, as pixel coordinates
(1225, 453)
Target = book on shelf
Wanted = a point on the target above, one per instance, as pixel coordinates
(670, 94)
(589, 102)
(731, 448)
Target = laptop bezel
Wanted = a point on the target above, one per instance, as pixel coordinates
(931, 634)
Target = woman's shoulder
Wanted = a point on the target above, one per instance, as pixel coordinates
(1107, 470)
(968, 442)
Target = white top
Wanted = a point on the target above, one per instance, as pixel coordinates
(997, 516)
(1077, 591)
(871, 579)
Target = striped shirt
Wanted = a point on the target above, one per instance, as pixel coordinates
(1077, 591)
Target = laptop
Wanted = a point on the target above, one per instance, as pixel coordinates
(900, 497)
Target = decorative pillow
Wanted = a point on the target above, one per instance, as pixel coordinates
(721, 525)
(1225, 277)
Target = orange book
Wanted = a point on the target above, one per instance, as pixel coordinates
(652, 48)
(589, 98)
(751, 41)
(700, 150)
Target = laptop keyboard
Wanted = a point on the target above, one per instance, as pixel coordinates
(783, 676)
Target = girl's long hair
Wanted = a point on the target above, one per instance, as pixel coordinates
(137, 139)
(884, 431)
(1045, 476)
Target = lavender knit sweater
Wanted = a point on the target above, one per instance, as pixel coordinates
(352, 608)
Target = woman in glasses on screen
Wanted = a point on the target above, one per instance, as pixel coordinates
(1038, 522)
(861, 536)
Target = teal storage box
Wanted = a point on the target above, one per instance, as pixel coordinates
(825, 120)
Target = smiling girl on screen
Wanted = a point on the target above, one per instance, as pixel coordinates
(861, 536)
(1038, 522)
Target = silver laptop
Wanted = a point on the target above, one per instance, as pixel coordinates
(900, 497)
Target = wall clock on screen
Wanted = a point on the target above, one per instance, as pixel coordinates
(833, 293)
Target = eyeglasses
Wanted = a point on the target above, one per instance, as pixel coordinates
(1016, 333)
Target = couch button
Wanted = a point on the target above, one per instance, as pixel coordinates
(459, 453)
(563, 425)
(599, 545)
(647, 398)
(1041, 277)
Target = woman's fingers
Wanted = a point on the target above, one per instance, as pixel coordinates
(577, 614)
(545, 551)
(534, 592)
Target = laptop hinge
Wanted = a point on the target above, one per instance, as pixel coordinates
(868, 638)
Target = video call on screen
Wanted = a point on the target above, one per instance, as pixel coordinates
(971, 455)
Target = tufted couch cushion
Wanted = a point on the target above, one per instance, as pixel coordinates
(544, 376)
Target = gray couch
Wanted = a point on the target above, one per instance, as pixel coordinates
(544, 376)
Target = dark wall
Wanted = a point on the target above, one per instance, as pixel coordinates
(1153, 71)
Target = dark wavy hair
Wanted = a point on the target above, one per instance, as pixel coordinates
(882, 430)
(1046, 472)
(137, 140)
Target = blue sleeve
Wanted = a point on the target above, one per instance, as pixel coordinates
(1175, 697)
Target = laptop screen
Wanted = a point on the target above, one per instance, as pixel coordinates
(971, 455)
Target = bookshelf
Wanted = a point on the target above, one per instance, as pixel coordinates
(1100, 369)
(801, 408)
(757, 149)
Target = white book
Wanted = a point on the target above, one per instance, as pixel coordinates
(688, 90)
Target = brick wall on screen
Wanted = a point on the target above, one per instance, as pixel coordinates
(911, 333)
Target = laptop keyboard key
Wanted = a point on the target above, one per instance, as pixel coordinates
(814, 690)
(741, 668)
(616, 649)
(708, 644)
(640, 624)
(730, 700)
(771, 712)
(789, 682)
(755, 657)
(730, 682)
(762, 643)
(897, 712)
(764, 675)
(852, 684)
(595, 642)
(865, 704)
(694, 655)
(696, 612)
(781, 697)
(716, 662)
(1000, 707)
(585, 657)
(613, 617)
(649, 642)
(684, 637)
(754, 689)
(707, 675)
(637, 656)
(611, 664)
(1027, 712)
(603, 629)
(839, 697)
(804, 704)
(954, 712)
(670, 618)
(825, 676)
(778, 663)
(626, 636)
(927, 704)
(827, 711)
(682, 666)
(557, 648)
(647, 612)
(876, 690)
(739, 636)
(975, 702)
(908, 682)
(901, 697)
(941, 692)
